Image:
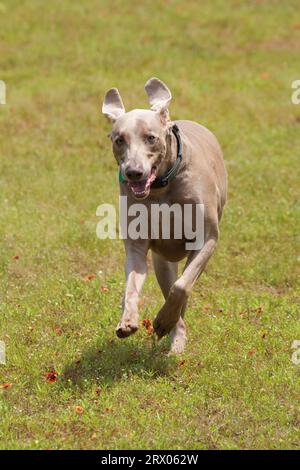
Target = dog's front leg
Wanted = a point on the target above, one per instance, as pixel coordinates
(170, 312)
(136, 272)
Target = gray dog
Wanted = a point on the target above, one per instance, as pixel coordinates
(164, 162)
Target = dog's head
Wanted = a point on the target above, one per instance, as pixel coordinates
(139, 137)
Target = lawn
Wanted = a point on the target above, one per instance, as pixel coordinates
(230, 65)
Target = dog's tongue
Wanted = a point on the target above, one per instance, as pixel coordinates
(139, 188)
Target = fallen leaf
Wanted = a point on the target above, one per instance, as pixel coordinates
(133, 354)
(251, 352)
(58, 331)
(104, 289)
(79, 409)
(148, 325)
(16, 257)
(265, 76)
(259, 309)
(146, 40)
(5, 386)
(98, 391)
(244, 312)
(89, 277)
(51, 376)
(108, 410)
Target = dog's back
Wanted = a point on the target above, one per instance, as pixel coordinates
(204, 159)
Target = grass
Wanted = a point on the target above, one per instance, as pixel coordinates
(230, 66)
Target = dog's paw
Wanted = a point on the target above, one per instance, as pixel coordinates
(177, 346)
(125, 329)
(178, 337)
(164, 323)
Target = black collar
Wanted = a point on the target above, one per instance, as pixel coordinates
(164, 180)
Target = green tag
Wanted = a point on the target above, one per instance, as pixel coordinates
(121, 177)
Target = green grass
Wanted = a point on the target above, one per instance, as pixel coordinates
(230, 66)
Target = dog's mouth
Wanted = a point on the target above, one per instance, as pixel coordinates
(141, 189)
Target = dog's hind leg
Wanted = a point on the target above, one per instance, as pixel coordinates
(171, 311)
(166, 274)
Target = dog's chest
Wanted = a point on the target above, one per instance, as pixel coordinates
(168, 221)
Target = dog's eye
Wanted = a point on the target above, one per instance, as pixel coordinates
(120, 141)
(151, 139)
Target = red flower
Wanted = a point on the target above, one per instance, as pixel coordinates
(51, 376)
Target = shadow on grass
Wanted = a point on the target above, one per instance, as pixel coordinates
(113, 360)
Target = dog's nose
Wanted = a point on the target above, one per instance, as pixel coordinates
(133, 174)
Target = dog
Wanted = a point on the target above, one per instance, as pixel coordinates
(165, 162)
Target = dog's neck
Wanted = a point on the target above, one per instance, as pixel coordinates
(171, 154)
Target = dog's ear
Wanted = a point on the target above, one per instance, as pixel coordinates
(159, 98)
(158, 93)
(113, 106)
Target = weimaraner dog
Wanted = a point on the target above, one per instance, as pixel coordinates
(164, 162)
